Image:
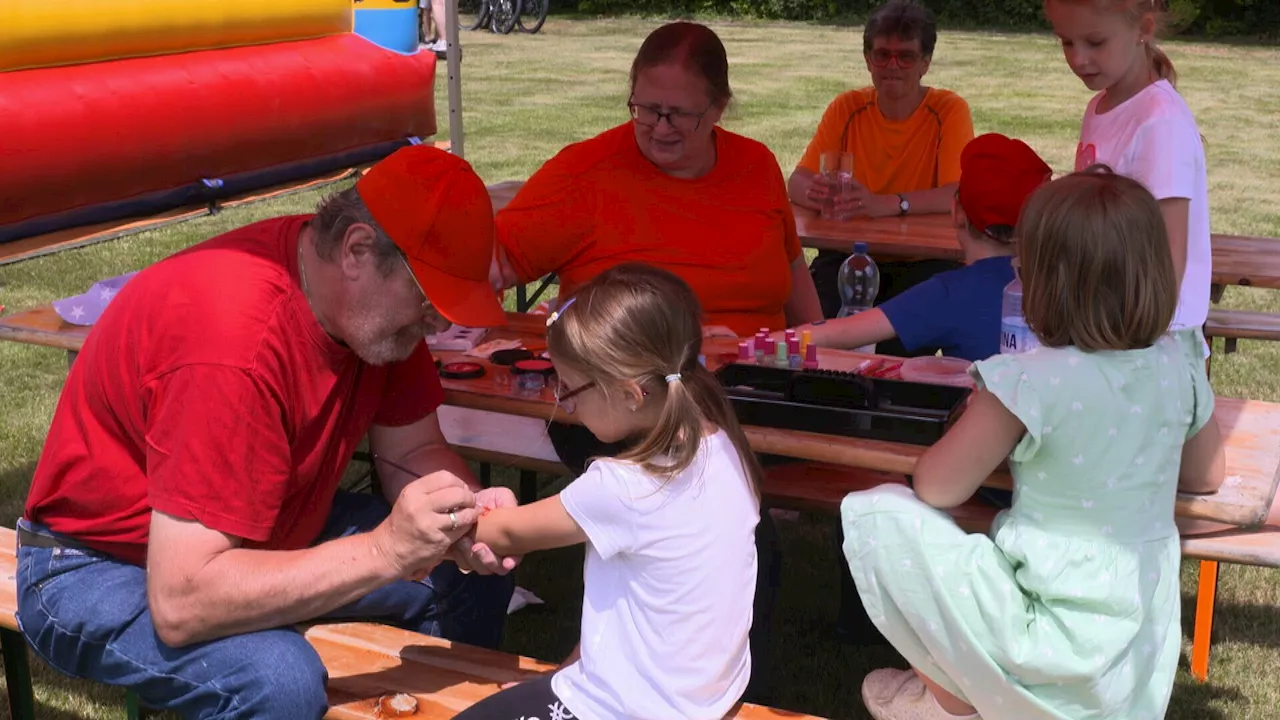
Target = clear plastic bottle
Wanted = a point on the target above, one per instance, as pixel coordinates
(1015, 335)
(859, 283)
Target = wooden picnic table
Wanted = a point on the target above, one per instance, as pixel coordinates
(914, 236)
(1251, 428)
(1237, 259)
(43, 327)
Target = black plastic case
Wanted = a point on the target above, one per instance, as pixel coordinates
(840, 403)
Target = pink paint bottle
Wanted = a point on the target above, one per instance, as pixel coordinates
(811, 357)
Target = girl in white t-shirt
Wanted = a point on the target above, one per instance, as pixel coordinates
(1140, 126)
(669, 525)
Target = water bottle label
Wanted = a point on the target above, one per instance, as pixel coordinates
(1015, 336)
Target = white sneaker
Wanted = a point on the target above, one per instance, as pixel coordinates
(891, 694)
(438, 45)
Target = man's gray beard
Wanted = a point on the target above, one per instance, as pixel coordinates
(384, 352)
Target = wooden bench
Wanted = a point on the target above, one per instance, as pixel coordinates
(1235, 325)
(819, 487)
(366, 662)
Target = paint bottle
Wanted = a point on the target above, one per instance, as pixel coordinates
(780, 355)
(794, 359)
(811, 357)
(806, 339)
(744, 352)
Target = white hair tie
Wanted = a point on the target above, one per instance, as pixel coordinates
(673, 377)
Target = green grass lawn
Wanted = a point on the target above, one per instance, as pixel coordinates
(528, 96)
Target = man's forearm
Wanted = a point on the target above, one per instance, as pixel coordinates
(424, 461)
(243, 590)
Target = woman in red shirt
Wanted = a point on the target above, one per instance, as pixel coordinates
(669, 189)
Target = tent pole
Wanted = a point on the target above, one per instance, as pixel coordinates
(453, 62)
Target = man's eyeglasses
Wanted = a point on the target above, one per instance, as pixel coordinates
(566, 398)
(906, 59)
(426, 303)
(649, 116)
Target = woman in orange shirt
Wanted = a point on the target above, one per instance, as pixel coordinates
(669, 189)
(905, 138)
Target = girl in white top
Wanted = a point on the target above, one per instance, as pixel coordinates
(669, 525)
(1141, 127)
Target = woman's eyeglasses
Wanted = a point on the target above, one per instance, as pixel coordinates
(649, 116)
(906, 59)
(566, 398)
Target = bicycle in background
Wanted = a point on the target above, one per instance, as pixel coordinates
(503, 16)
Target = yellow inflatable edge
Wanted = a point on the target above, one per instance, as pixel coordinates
(45, 33)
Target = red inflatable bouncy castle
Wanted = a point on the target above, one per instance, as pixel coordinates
(95, 141)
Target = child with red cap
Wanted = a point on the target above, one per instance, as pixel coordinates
(958, 311)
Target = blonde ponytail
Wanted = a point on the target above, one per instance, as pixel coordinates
(1161, 64)
(638, 324)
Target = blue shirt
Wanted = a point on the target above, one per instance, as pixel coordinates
(958, 310)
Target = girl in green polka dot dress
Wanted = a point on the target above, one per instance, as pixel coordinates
(1069, 608)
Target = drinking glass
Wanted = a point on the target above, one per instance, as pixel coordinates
(836, 167)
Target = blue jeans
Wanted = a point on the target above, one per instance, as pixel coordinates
(86, 615)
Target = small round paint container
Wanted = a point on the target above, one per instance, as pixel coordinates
(510, 357)
(462, 371)
(532, 375)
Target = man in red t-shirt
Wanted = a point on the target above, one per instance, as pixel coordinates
(185, 512)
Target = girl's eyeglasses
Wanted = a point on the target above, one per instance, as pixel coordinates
(565, 398)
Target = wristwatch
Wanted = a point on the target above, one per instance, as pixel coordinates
(903, 205)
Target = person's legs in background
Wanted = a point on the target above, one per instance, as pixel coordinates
(825, 270)
(433, 25)
(768, 584)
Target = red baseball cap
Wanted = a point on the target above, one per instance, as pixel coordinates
(997, 175)
(437, 211)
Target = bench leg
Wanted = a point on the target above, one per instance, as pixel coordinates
(17, 674)
(528, 487)
(1202, 637)
(486, 475)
